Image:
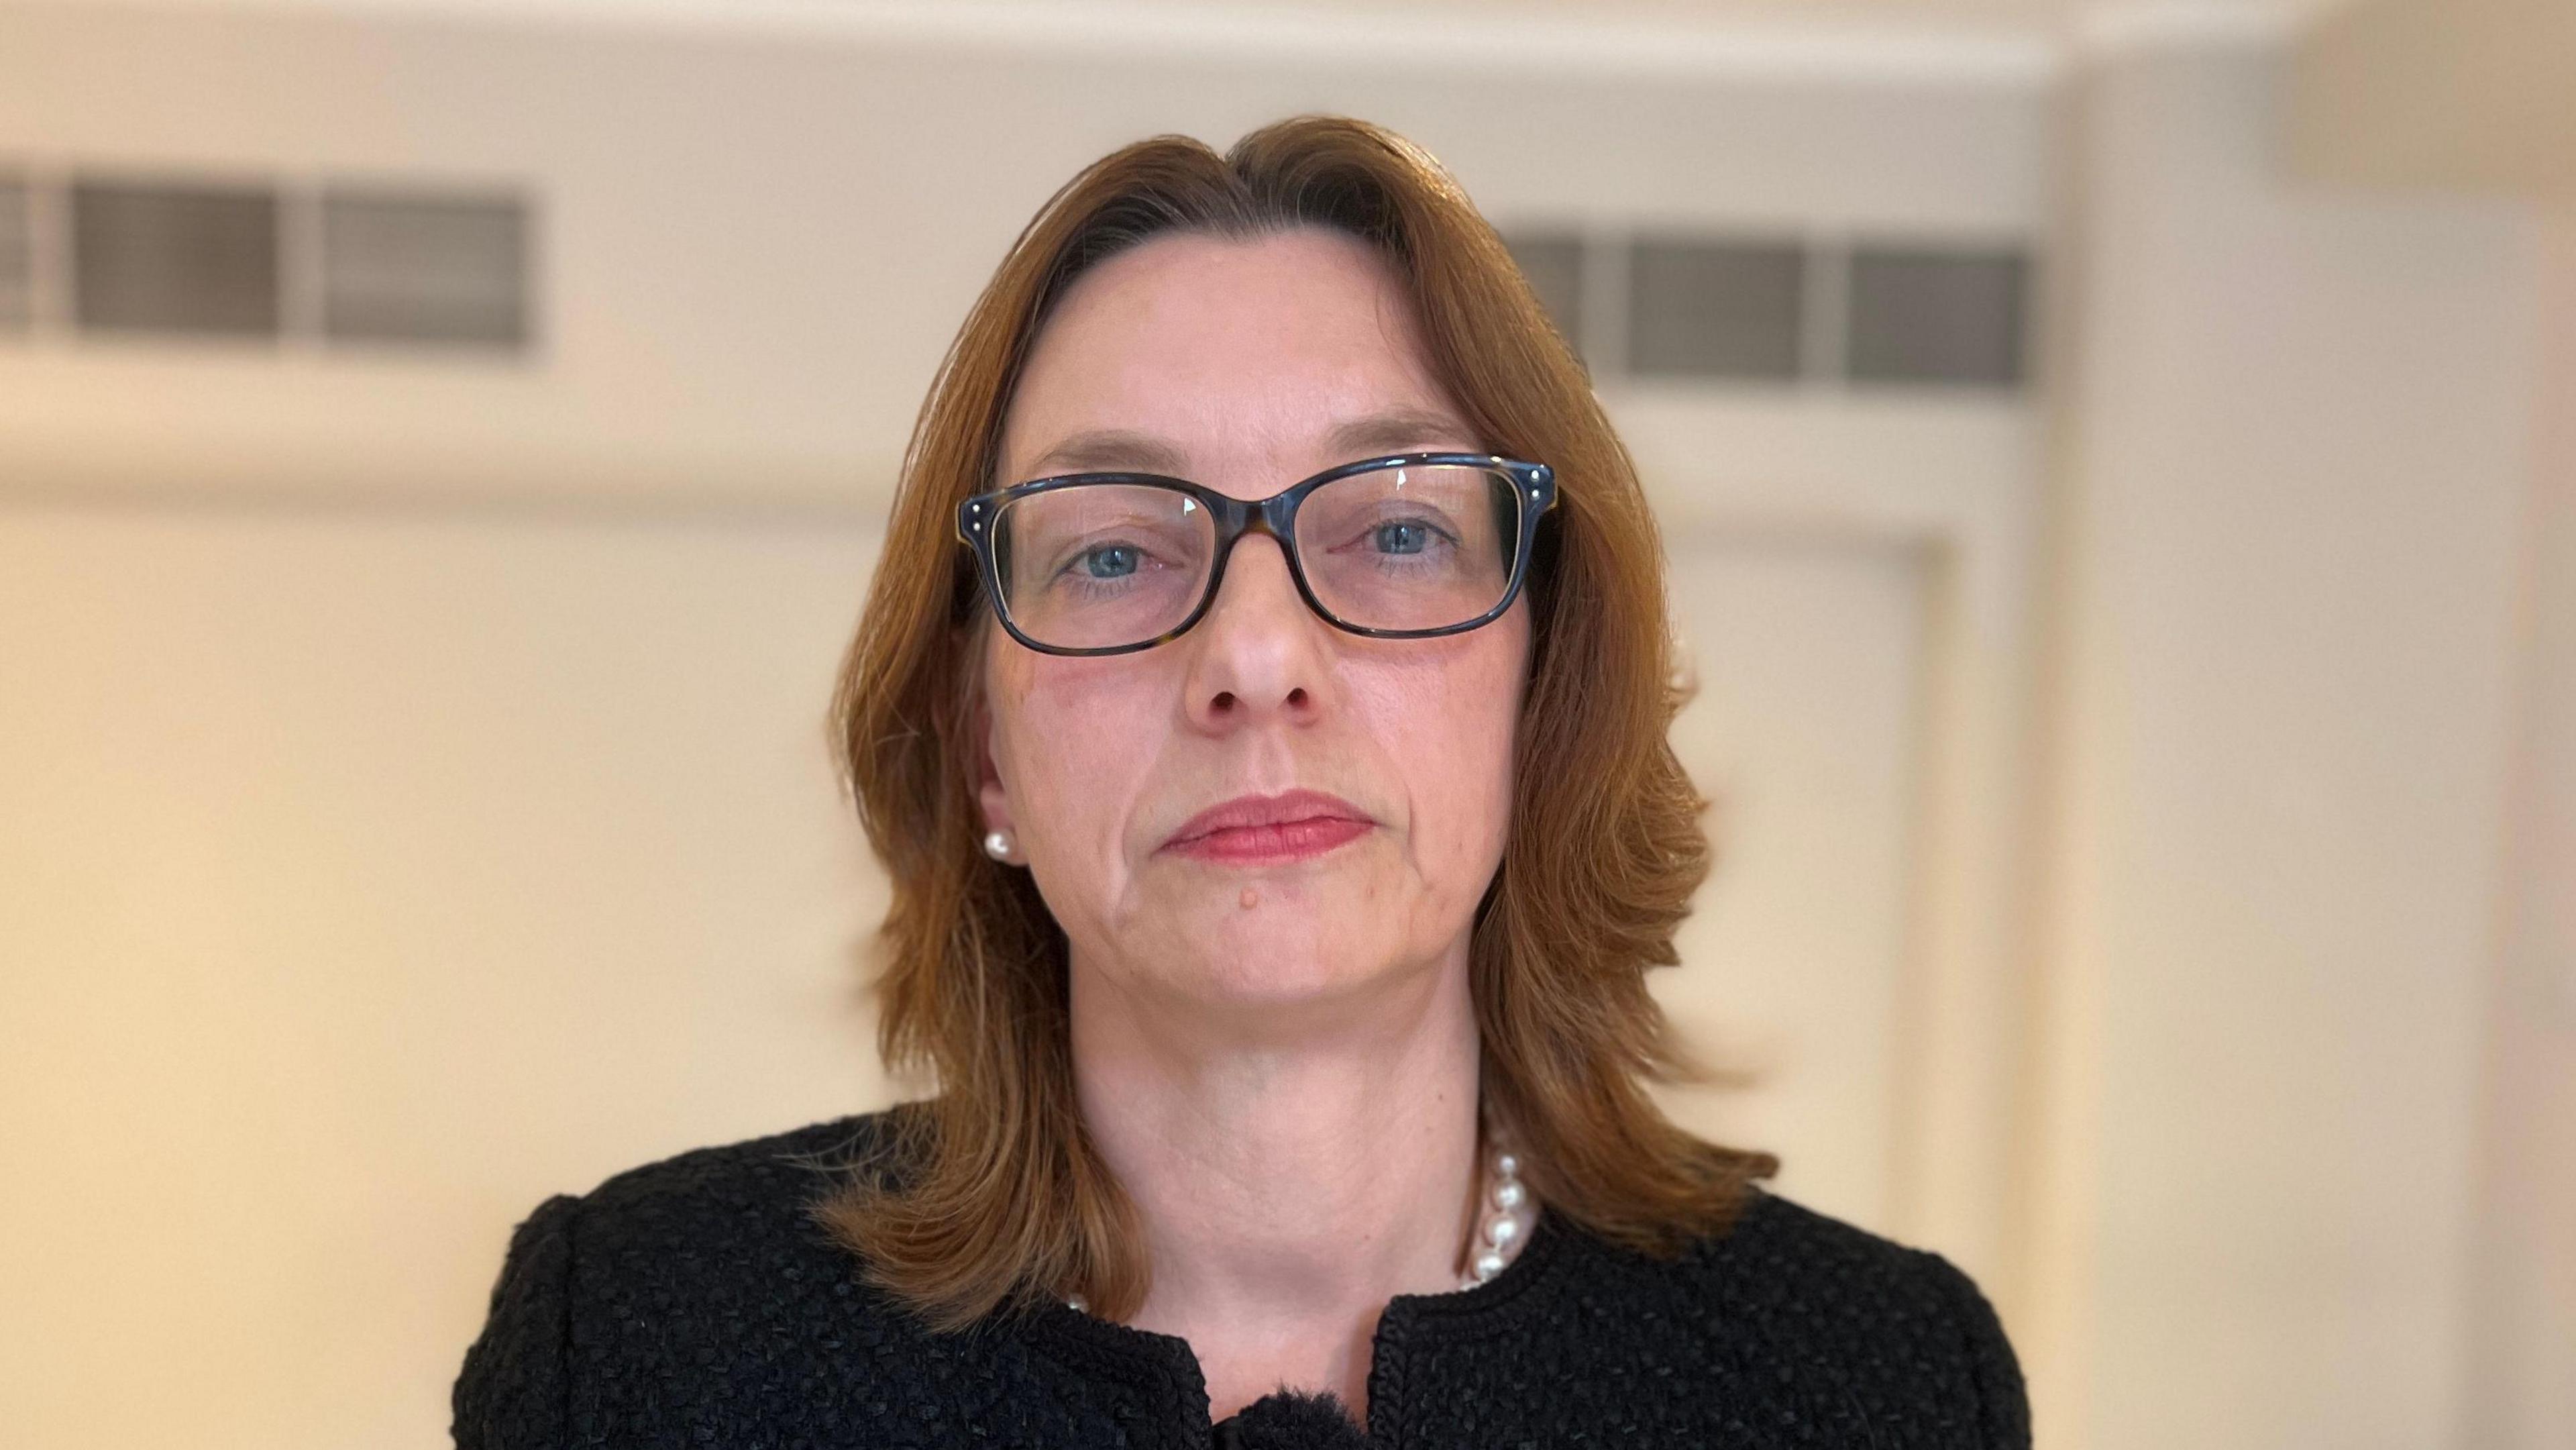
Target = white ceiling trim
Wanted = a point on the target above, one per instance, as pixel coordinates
(2189, 25)
(1591, 42)
(1594, 40)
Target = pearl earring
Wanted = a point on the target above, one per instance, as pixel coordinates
(998, 845)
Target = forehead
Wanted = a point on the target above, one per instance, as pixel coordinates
(1225, 358)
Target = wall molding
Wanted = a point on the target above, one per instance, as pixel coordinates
(1570, 40)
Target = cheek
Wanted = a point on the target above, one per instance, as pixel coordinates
(1069, 746)
(1449, 733)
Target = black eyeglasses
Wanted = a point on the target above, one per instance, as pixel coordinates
(1405, 547)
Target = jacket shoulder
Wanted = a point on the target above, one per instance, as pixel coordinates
(730, 1178)
(666, 1265)
(1915, 1332)
(728, 1226)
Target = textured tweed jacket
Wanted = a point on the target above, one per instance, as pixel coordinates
(693, 1303)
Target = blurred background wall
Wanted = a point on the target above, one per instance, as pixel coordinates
(2119, 467)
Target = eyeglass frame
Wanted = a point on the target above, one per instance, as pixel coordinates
(1275, 516)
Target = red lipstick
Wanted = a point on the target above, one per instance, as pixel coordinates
(1257, 830)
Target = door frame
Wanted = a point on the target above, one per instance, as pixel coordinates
(1956, 481)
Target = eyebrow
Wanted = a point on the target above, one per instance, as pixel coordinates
(1399, 429)
(1108, 449)
(1125, 449)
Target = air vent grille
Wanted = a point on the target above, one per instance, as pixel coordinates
(1936, 317)
(1553, 263)
(430, 269)
(175, 259)
(375, 264)
(17, 258)
(1673, 308)
(1715, 309)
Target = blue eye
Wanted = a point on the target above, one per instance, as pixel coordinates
(1110, 561)
(1402, 538)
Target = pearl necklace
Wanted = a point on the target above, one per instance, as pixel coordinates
(1503, 1226)
(1504, 1218)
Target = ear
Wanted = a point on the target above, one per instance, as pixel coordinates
(989, 793)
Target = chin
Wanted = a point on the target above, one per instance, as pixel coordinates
(1281, 982)
(1277, 957)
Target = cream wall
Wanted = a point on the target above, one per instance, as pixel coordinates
(2294, 472)
(365, 878)
(415, 769)
(2521, 1373)
(2439, 93)
(412, 797)
(755, 247)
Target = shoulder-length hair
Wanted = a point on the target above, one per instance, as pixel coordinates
(997, 1194)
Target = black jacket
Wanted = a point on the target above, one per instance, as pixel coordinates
(692, 1303)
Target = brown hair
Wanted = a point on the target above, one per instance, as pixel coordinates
(997, 1192)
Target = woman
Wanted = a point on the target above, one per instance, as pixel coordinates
(1261, 710)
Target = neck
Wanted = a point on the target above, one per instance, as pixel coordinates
(1292, 1170)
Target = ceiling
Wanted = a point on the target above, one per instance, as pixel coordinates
(2053, 15)
(2051, 19)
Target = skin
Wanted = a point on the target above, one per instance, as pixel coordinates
(1279, 1060)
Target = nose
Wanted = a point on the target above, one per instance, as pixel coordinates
(1259, 655)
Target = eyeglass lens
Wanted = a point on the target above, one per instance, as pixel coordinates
(1100, 565)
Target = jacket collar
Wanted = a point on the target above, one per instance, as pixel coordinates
(1158, 1375)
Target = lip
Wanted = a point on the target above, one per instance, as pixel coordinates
(1267, 830)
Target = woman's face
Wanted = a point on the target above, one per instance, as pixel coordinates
(1246, 366)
